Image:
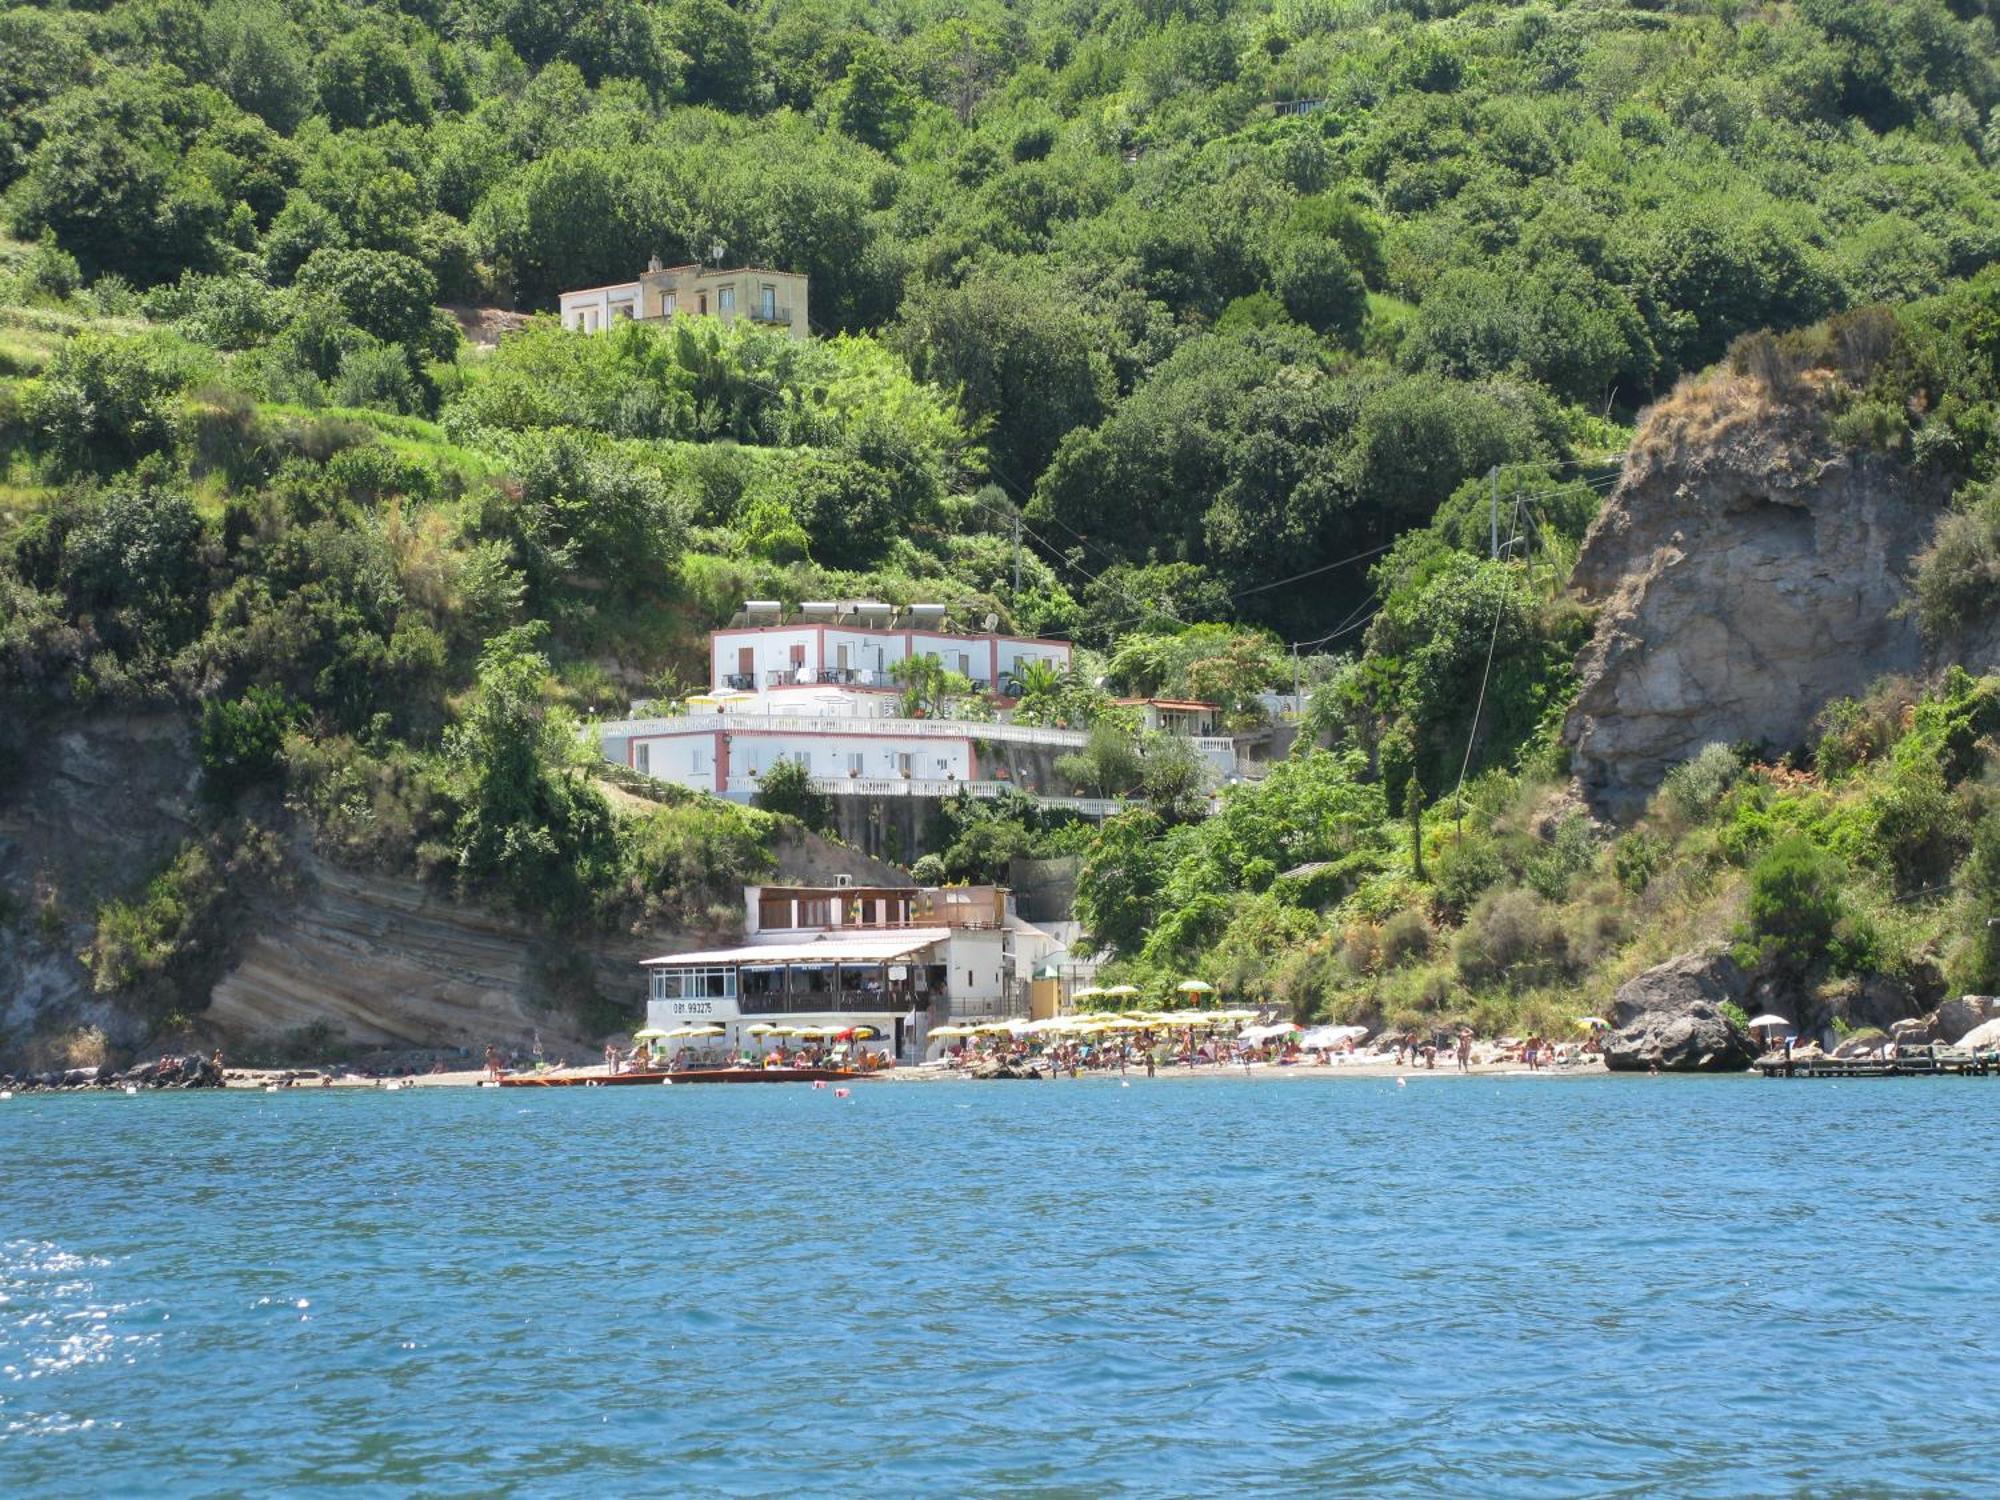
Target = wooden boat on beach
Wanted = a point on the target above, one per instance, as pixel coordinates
(683, 1075)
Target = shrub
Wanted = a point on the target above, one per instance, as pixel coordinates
(1637, 858)
(1693, 787)
(106, 402)
(1976, 964)
(787, 788)
(1566, 854)
(376, 377)
(1464, 869)
(1405, 938)
(1854, 732)
(1916, 827)
(1792, 915)
(1958, 575)
(1513, 938)
(243, 740)
(49, 273)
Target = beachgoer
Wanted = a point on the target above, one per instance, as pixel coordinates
(492, 1062)
(1465, 1049)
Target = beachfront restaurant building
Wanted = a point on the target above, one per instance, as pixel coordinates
(896, 959)
(892, 982)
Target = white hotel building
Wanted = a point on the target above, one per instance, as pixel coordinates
(816, 687)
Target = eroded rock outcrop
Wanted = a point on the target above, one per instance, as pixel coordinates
(1671, 1017)
(1747, 569)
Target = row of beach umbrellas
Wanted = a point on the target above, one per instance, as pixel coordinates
(759, 1028)
(1103, 1023)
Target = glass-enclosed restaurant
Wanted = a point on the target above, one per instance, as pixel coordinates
(877, 979)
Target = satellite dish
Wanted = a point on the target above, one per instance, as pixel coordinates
(992, 622)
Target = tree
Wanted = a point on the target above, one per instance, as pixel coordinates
(1413, 814)
(1118, 889)
(872, 105)
(1321, 289)
(588, 513)
(110, 179)
(381, 292)
(256, 56)
(788, 788)
(928, 685)
(721, 54)
(108, 401)
(1175, 779)
(243, 740)
(368, 77)
(1793, 911)
(1108, 765)
(528, 823)
(1020, 352)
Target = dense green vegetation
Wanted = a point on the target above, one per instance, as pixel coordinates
(1244, 318)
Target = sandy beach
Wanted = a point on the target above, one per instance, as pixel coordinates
(300, 1078)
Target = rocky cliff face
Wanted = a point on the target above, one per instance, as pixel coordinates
(1746, 570)
(92, 806)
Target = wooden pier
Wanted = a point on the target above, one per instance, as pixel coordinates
(1908, 1062)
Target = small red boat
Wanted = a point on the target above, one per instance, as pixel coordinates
(684, 1075)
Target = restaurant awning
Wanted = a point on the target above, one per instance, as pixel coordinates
(879, 947)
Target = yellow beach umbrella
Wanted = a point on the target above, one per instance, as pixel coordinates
(1123, 989)
(949, 1033)
(650, 1034)
(709, 1030)
(762, 1028)
(1195, 987)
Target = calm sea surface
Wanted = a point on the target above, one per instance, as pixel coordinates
(1500, 1286)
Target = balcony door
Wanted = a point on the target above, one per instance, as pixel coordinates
(746, 662)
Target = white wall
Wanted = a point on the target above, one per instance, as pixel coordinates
(772, 651)
(685, 758)
(876, 651)
(829, 755)
(976, 961)
(592, 311)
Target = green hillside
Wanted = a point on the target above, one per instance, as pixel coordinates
(1244, 319)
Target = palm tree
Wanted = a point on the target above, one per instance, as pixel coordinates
(1041, 689)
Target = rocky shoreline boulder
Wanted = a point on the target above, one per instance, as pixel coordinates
(1671, 1017)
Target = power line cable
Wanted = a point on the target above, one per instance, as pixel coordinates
(1479, 705)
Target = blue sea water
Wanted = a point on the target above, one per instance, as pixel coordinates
(1481, 1287)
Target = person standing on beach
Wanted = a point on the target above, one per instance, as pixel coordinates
(1465, 1049)
(492, 1062)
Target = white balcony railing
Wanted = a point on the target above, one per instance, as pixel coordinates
(922, 729)
(937, 786)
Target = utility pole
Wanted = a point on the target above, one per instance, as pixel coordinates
(1493, 510)
(1297, 706)
(1017, 559)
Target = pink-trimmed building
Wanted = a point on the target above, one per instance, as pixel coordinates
(816, 686)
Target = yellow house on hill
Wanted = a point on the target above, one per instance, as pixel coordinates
(775, 298)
